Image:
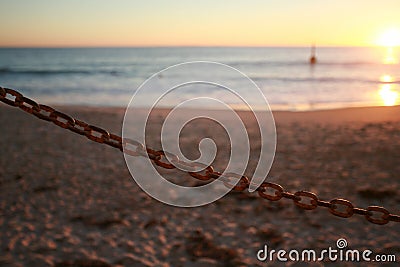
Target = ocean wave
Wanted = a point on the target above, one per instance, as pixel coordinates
(57, 71)
(305, 62)
(321, 80)
(65, 91)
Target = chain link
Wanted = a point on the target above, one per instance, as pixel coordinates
(270, 191)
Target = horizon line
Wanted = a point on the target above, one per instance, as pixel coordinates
(188, 46)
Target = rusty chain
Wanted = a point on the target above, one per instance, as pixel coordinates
(270, 191)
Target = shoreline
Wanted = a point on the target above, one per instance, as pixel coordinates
(347, 114)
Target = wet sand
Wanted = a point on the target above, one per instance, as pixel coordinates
(67, 201)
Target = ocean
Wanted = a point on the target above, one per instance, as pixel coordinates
(342, 77)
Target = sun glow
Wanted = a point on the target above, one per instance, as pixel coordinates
(390, 38)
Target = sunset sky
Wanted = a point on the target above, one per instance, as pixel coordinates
(196, 23)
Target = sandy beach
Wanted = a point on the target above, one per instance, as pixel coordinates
(67, 201)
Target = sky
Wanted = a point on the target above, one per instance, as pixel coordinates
(61, 23)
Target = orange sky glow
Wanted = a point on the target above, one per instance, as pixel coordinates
(49, 23)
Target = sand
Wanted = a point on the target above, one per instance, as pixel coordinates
(67, 201)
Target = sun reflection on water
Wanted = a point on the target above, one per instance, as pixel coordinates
(388, 94)
(389, 97)
(390, 56)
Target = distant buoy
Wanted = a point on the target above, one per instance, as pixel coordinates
(313, 58)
